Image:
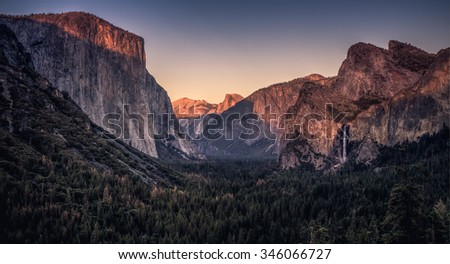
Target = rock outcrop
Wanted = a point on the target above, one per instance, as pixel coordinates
(103, 69)
(383, 97)
(369, 71)
(229, 101)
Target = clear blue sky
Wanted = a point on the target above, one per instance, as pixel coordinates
(203, 49)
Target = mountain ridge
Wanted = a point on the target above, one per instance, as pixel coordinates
(189, 108)
(102, 68)
(366, 97)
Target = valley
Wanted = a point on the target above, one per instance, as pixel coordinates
(93, 150)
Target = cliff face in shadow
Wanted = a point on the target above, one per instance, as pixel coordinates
(102, 68)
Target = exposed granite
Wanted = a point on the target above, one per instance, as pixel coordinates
(100, 66)
(386, 97)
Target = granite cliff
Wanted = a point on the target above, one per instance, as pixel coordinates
(103, 69)
(45, 135)
(379, 98)
(229, 101)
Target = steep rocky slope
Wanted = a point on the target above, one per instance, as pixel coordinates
(369, 71)
(102, 68)
(379, 98)
(43, 132)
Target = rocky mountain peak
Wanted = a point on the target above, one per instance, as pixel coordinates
(233, 96)
(371, 72)
(396, 46)
(314, 77)
(186, 107)
(410, 57)
(361, 49)
(229, 101)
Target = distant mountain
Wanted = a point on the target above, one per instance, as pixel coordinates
(189, 108)
(264, 104)
(103, 69)
(229, 101)
(186, 107)
(380, 97)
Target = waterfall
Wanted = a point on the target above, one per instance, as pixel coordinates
(344, 143)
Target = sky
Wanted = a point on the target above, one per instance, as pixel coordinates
(204, 49)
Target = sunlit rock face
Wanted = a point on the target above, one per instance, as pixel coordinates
(385, 97)
(189, 108)
(369, 71)
(102, 68)
(229, 101)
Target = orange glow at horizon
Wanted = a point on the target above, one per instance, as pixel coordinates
(205, 49)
